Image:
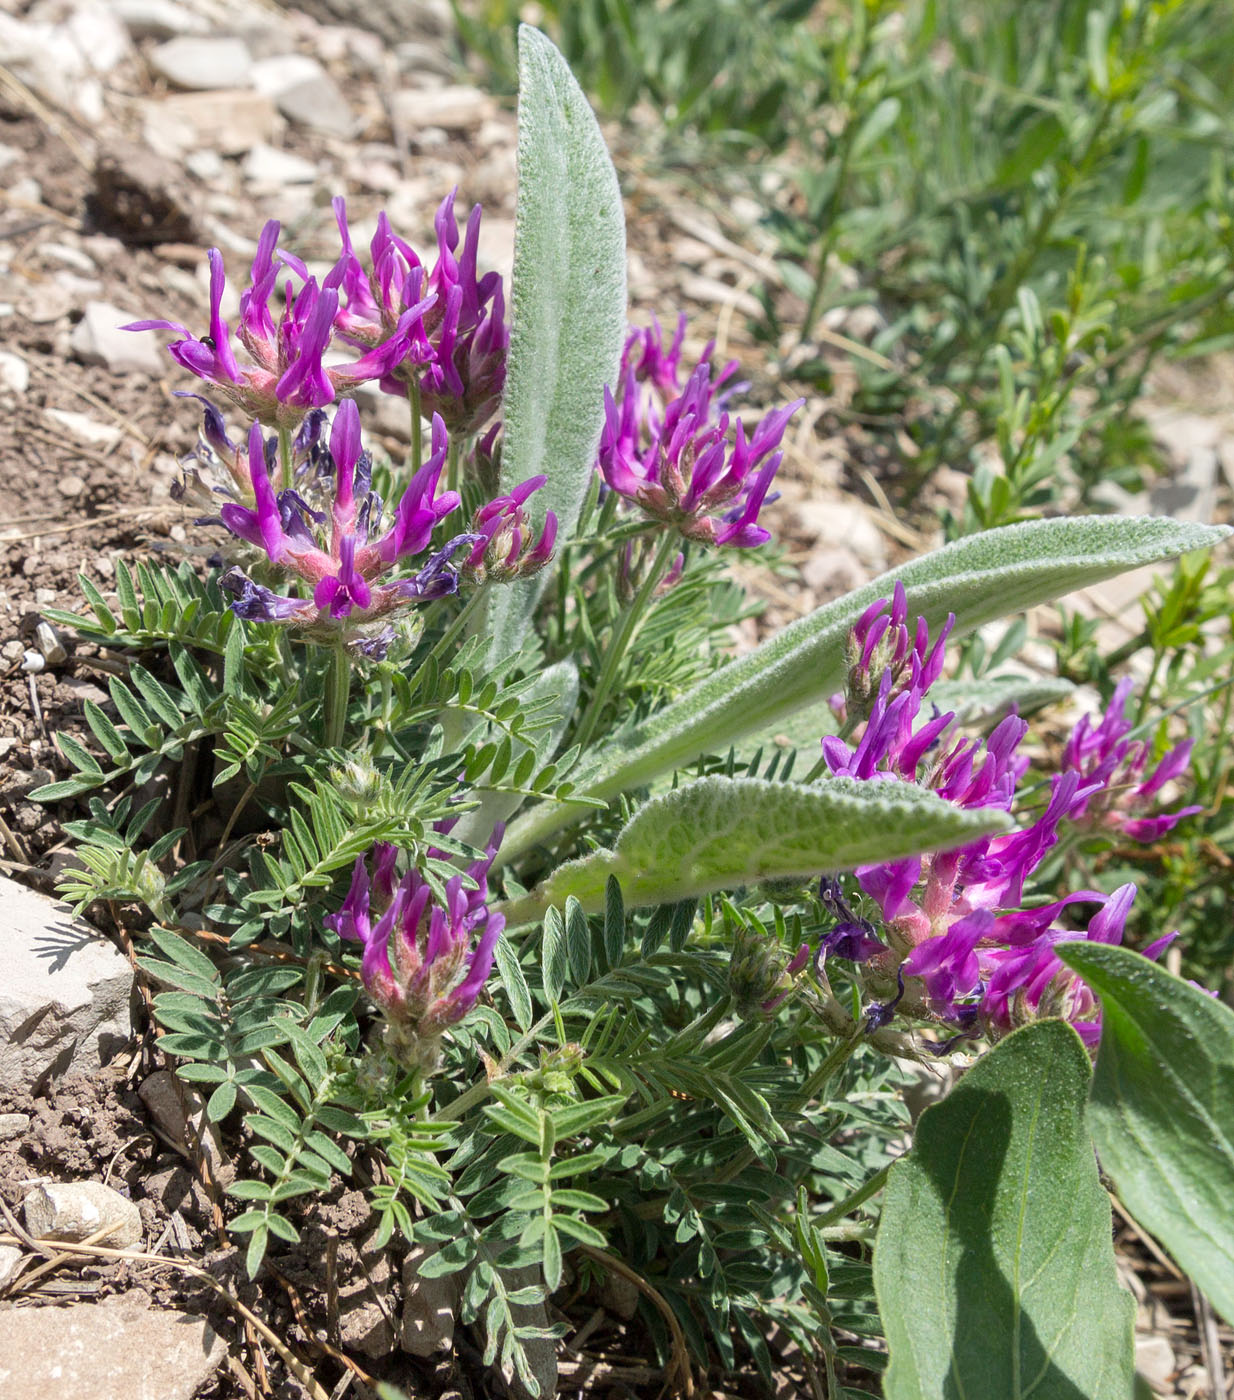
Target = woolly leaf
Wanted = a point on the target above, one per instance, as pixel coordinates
(720, 833)
(569, 305)
(1162, 1108)
(993, 1265)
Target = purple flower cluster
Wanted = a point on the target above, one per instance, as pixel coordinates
(424, 963)
(668, 450)
(954, 920)
(441, 329)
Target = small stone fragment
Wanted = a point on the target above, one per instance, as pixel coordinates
(14, 372)
(105, 1351)
(229, 122)
(204, 64)
(281, 71)
(158, 19)
(98, 340)
(10, 1257)
(318, 104)
(167, 1101)
(47, 639)
(454, 108)
(85, 429)
(13, 1125)
(71, 485)
(75, 1210)
(265, 165)
(1155, 1361)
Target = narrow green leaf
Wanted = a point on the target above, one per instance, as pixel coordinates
(156, 696)
(568, 297)
(614, 921)
(994, 1266)
(553, 954)
(1162, 1108)
(720, 833)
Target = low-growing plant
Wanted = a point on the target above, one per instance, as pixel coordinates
(505, 880)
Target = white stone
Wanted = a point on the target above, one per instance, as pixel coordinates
(204, 165)
(64, 997)
(266, 165)
(105, 1351)
(47, 639)
(318, 104)
(10, 1257)
(230, 122)
(84, 428)
(1155, 1361)
(455, 108)
(272, 76)
(204, 64)
(13, 1125)
(98, 34)
(158, 19)
(98, 340)
(14, 372)
(75, 1210)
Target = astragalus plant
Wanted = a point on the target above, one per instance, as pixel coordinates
(598, 950)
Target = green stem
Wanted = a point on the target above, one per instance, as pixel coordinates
(452, 465)
(338, 690)
(632, 619)
(284, 457)
(417, 426)
(854, 1199)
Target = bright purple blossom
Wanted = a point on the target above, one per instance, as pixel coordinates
(458, 359)
(671, 453)
(326, 530)
(288, 373)
(424, 963)
(953, 919)
(506, 546)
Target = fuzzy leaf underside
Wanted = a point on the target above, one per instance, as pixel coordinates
(568, 298)
(1161, 1109)
(980, 578)
(994, 1266)
(721, 833)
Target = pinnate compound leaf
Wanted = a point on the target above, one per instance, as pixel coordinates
(1161, 1109)
(718, 833)
(569, 304)
(994, 1266)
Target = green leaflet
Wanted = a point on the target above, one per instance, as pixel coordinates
(978, 578)
(993, 1266)
(719, 833)
(1161, 1109)
(568, 305)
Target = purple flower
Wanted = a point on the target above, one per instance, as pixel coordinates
(458, 354)
(953, 920)
(424, 962)
(326, 531)
(288, 374)
(506, 547)
(679, 463)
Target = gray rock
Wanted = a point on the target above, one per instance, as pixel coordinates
(84, 428)
(318, 104)
(229, 122)
(13, 1125)
(180, 1112)
(10, 1257)
(1155, 1361)
(429, 1306)
(365, 1307)
(205, 64)
(102, 1351)
(158, 19)
(265, 165)
(64, 998)
(284, 70)
(452, 108)
(75, 1210)
(14, 372)
(98, 340)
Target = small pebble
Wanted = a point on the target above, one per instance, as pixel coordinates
(47, 639)
(12, 1125)
(71, 485)
(75, 1210)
